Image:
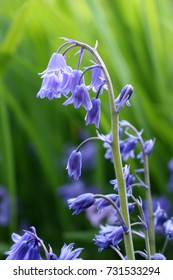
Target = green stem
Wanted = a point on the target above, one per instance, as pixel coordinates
(118, 252)
(151, 229)
(111, 202)
(87, 140)
(165, 244)
(116, 153)
(147, 241)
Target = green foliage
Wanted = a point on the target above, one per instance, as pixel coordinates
(135, 41)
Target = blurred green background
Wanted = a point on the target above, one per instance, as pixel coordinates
(135, 41)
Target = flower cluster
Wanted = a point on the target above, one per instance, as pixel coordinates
(27, 247)
(127, 143)
(122, 143)
(60, 79)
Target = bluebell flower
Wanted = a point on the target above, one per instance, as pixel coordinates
(80, 203)
(51, 87)
(108, 236)
(107, 139)
(127, 147)
(67, 253)
(74, 80)
(129, 179)
(160, 217)
(26, 247)
(156, 256)
(55, 77)
(168, 226)
(164, 206)
(148, 148)
(80, 97)
(124, 97)
(4, 207)
(57, 65)
(98, 80)
(93, 115)
(74, 164)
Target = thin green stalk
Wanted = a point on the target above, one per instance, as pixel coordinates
(147, 241)
(151, 229)
(111, 203)
(116, 153)
(122, 186)
(165, 244)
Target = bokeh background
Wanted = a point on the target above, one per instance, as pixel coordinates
(136, 42)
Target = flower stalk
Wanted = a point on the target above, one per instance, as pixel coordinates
(116, 152)
(151, 228)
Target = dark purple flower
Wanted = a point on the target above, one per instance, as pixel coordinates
(161, 212)
(169, 228)
(80, 97)
(74, 164)
(108, 235)
(4, 207)
(26, 247)
(127, 147)
(160, 217)
(93, 115)
(80, 203)
(124, 97)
